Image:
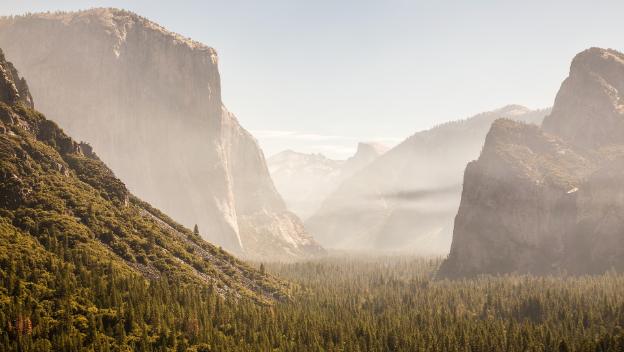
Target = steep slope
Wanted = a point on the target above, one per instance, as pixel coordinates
(589, 108)
(406, 199)
(305, 180)
(150, 102)
(550, 200)
(58, 199)
(518, 202)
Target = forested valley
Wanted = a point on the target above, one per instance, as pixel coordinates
(337, 304)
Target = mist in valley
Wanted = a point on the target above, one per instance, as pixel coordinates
(311, 176)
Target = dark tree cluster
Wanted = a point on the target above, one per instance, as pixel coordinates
(383, 304)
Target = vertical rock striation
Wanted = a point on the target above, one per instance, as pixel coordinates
(550, 200)
(150, 103)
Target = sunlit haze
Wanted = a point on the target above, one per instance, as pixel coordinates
(327, 175)
(319, 76)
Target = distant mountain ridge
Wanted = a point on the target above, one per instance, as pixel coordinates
(549, 200)
(150, 103)
(304, 180)
(405, 200)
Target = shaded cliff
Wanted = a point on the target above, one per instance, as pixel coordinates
(150, 103)
(406, 199)
(589, 108)
(549, 200)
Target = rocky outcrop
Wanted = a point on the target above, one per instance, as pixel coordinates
(54, 190)
(405, 200)
(13, 88)
(589, 108)
(305, 180)
(518, 202)
(149, 101)
(549, 200)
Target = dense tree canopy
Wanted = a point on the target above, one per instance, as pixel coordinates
(383, 304)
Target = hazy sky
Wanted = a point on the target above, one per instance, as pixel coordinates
(320, 75)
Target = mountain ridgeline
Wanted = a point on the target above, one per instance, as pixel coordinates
(550, 200)
(305, 180)
(406, 199)
(149, 101)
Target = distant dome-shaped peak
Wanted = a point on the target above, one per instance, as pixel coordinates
(370, 148)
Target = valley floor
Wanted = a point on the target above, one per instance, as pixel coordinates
(336, 304)
(395, 304)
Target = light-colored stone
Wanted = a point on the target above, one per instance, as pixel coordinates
(305, 180)
(149, 101)
(550, 200)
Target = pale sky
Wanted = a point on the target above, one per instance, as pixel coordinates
(321, 75)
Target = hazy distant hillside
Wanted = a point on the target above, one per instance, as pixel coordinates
(150, 103)
(305, 180)
(550, 200)
(406, 199)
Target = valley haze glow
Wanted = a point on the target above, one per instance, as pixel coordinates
(311, 176)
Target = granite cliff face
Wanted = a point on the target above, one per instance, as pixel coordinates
(61, 205)
(518, 202)
(405, 200)
(150, 103)
(305, 180)
(589, 108)
(550, 200)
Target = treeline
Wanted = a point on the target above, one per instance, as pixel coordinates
(395, 304)
(384, 304)
(68, 302)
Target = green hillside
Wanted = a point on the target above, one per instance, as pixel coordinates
(85, 263)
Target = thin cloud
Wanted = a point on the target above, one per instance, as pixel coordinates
(281, 134)
(418, 194)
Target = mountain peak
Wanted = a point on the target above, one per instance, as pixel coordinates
(589, 108)
(595, 59)
(365, 154)
(540, 200)
(367, 150)
(149, 101)
(116, 22)
(513, 110)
